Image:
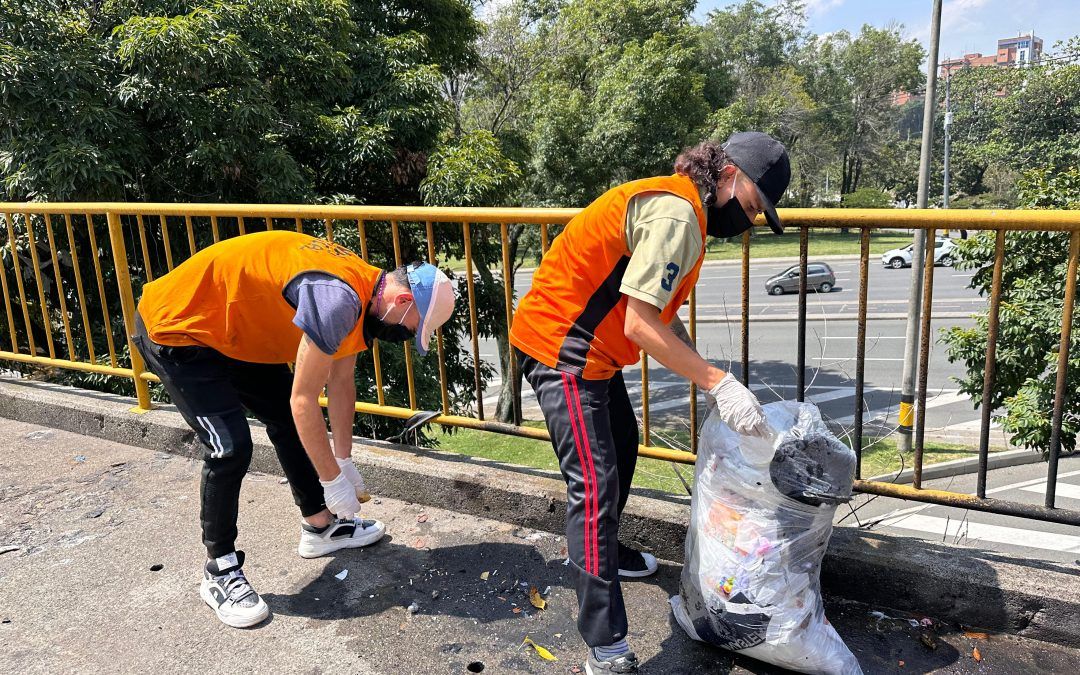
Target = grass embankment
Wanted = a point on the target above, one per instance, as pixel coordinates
(879, 457)
(764, 244)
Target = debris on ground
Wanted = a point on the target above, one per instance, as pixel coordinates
(535, 598)
(975, 654)
(422, 518)
(80, 458)
(342, 574)
(544, 654)
(8, 549)
(484, 576)
(413, 608)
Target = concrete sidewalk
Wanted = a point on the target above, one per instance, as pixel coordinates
(100, 563)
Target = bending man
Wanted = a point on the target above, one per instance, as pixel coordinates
(220, 330)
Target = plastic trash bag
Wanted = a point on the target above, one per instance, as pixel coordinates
(761, 517)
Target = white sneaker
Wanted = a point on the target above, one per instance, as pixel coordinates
(339, 534)
(227, 591)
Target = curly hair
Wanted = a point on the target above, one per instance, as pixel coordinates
(702, 164)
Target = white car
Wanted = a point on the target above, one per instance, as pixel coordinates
(901, 257)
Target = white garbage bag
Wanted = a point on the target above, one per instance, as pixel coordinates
(761, 517)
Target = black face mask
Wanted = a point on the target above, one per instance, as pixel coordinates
(729, 220)
(385, 332)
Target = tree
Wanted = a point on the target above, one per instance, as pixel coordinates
(1032, 300)
(853, 79)
(233, 100)
(866, 198)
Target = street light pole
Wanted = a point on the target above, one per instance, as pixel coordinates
(948, 138)
(911, 341)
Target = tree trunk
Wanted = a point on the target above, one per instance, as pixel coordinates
(508, 408)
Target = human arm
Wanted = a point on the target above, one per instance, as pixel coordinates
(341, 404)
(310, 377)
(341, 408)
(644, 328)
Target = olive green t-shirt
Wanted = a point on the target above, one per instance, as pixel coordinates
(664, 238)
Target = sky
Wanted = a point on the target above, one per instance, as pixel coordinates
(966, 25)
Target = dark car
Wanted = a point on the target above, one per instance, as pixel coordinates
(819, 277)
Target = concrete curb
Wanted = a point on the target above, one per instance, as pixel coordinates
(976, 588)
(960, 467)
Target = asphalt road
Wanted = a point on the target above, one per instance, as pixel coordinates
(831, 345)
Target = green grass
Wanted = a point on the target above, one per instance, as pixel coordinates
(764, 244)
(879, 457)
(767, 245)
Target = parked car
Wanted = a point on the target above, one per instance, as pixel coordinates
(819, 277)
(901, 257)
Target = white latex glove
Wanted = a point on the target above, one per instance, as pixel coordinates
(340, 497)
(738, 407)
(353, 474)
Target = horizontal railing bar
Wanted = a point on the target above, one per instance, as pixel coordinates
(499, 427)
(966, 501)
(64, 363)
(969, 219)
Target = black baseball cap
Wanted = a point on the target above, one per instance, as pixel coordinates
(765, 161)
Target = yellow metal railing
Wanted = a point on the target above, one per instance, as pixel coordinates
(156, 229)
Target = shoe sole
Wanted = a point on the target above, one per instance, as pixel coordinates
(233, 620)
(636, 575)
(366, 539)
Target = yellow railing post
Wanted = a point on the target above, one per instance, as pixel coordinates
(127, 303)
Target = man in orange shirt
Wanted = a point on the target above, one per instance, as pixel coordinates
(220, 330)
(610, 286)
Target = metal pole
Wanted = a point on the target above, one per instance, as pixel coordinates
(948, 139)
(911, 340)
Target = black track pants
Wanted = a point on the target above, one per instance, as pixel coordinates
(595, 435)
(212, 392)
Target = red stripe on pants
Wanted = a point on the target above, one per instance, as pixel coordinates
(590, 557)
(592, 479)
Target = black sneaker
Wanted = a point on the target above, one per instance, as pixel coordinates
(623, 663)
(227, 591)
(635, 564)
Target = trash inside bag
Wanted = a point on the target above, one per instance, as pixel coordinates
(761, 517)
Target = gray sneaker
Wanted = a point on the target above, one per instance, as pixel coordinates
(623, 663)
(227, 591)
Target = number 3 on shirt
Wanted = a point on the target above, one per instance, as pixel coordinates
(672, 269)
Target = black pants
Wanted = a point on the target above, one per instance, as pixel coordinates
(595, 435)
(212, 392)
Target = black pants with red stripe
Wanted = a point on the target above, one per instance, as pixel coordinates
(595, 435)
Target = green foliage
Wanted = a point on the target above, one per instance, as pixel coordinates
(469, 170)
(1034, 273)
(333, 101)
(866, 198)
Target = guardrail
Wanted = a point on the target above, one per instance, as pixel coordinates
(162, 228)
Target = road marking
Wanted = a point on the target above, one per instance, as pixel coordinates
(943, 397)
(965, 530)
(851, 358)
(852, 301)
(869, 338)
(892, 515)
(1067, 490)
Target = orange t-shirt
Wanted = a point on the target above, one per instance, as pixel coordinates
(572, 318)
(230, 296)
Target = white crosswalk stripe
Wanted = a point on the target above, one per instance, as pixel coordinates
(1066, 490)
(967, 532)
